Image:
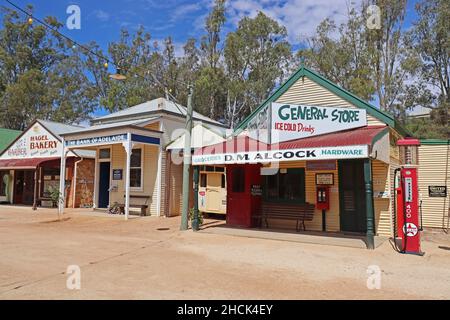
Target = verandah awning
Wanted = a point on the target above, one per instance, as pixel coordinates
(30, 163)
(349, 144)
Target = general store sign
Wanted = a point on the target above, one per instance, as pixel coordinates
(345, 152)
(289, 122)
(37, 142)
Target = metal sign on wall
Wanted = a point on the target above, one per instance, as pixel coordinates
(289, 121)
(437, 191)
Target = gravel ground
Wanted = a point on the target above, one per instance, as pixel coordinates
(149, 258)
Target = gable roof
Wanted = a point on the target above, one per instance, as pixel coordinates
(55, 129)
(58, 128)
(111, 125)
(334, 88)
(7, 136)
(152, 107)
(201, 136)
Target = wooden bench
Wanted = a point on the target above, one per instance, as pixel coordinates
(143, 207)
(286, 211)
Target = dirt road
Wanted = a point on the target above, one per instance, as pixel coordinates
(149, 258)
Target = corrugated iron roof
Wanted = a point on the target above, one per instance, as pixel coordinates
(155, 105)
(136, 122)
(57, 128)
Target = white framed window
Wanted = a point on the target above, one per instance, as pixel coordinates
(136, 172)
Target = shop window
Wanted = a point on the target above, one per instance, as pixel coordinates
(209, 168)
(238, 182)
(136, 168)
(2, 183)
(203, 180)
(288, 185)
(104, 154)
(220, 169)
(50, 181)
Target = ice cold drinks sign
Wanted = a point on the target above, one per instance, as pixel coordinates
(291, 122)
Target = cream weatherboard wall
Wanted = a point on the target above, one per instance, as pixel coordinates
(434, 170)
(308, 92)
(150, 186)
(332, 218)
(381, 189)
(381, 183)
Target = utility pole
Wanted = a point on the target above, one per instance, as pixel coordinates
(187, 161)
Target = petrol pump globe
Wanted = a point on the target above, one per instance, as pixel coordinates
(409, 155)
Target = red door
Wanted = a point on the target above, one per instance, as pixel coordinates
(241, 204)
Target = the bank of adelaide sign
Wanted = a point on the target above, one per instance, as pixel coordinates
(290, 122)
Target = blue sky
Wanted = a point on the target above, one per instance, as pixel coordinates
(101, 20)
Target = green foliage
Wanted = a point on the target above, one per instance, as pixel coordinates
(44, 76)
(200, 216)
(257, 57)
(344, 60)
(40, 75)
(55, 195)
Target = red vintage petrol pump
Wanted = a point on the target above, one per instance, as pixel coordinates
(407, 197)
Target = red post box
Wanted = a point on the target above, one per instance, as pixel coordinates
(323, 198)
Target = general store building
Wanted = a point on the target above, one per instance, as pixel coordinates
(308, 135)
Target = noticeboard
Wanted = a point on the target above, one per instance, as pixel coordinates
(117, 174)
(325, 179)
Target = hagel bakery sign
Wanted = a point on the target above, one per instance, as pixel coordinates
(36, 142)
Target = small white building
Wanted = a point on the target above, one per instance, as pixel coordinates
(132, 166)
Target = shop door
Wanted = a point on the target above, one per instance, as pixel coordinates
(213, 192)
(28, 187)
(24, 187)
(352, 196)
(18, 186)
(103, 185)
(238, 197)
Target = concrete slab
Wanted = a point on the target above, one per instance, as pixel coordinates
(329, 238)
